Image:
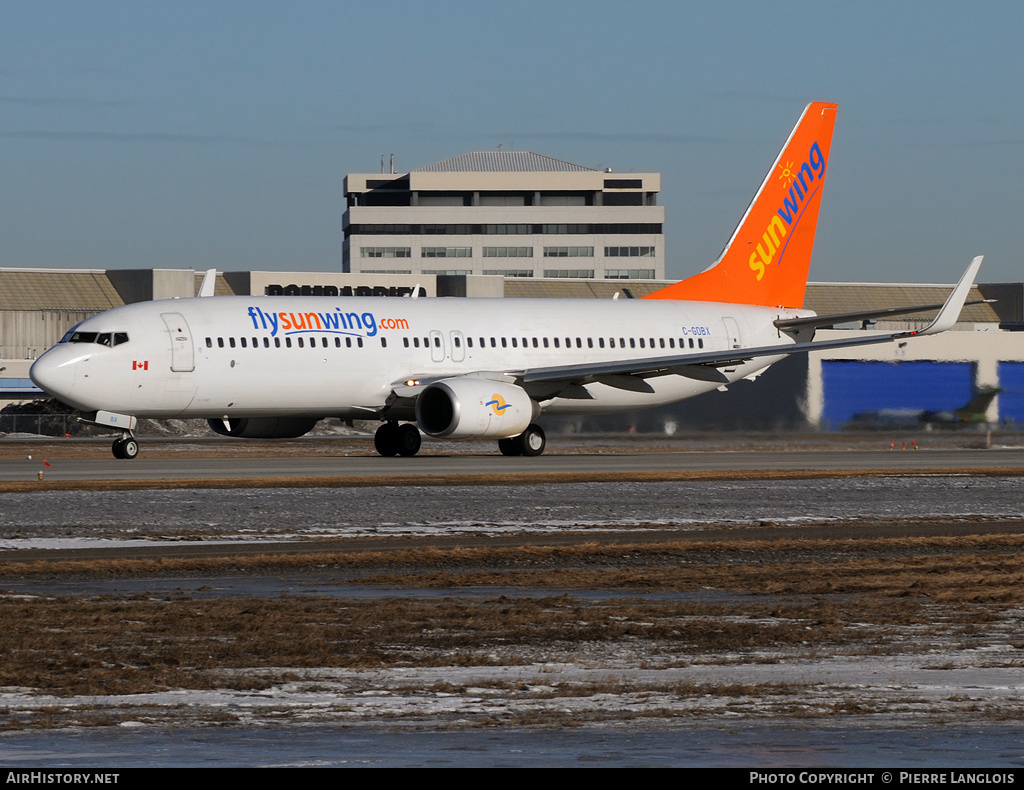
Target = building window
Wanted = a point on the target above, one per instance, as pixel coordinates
(567, 228)
(385, 252)
(381, 230)
(507, 230)
(568, 252)
(563, 200)
(446, 252)
(446, 271)
(510, 272)
(629, 274)
(447, 230)
(508, 252)
(502, 200)
(629, 252)
(580, 273)
(623, 183)
(443, 200)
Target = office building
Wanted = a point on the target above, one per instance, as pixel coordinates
(507, 213)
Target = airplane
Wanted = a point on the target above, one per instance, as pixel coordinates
(466, 368)
(974, 412)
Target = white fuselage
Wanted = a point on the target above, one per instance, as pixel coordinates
(244, 356)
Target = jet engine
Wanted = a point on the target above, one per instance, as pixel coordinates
(264, 427)
(469, 408)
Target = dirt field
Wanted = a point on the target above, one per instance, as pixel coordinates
(887, 599)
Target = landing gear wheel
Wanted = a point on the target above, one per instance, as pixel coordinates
(532, 440)
(386, 439)
(125, 449)
(408, 439)
(510, 446)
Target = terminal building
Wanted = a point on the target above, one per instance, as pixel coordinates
(891, 385)
(508, 214)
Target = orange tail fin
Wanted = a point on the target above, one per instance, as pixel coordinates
(767, 259)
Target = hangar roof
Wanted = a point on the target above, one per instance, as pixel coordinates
(822, 298)
(57, 289)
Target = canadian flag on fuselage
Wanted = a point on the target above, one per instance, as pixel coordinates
(767, 259)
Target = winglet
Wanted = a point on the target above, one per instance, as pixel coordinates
(209, 284)
(950, 311)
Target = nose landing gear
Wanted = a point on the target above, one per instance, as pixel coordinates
(126, 447)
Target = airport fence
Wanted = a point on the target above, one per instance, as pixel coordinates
(44, 425)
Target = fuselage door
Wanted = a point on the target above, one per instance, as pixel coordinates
(732, 337)
(458, 346)
(436, 346)
(182, 352)
(732, 332)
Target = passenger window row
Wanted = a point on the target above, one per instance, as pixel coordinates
(427, 342)
(300, 342)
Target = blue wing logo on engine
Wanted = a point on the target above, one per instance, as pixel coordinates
(498, 404)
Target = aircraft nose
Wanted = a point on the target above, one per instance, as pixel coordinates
(54, 373)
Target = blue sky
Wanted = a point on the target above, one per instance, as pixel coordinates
(217, 133)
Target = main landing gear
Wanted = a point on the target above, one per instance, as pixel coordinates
(394, 439)
(126, 447)
(530, 442)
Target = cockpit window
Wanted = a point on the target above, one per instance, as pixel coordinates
(102, 338)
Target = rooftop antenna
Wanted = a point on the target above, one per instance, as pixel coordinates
(382, 163)
(392, 164)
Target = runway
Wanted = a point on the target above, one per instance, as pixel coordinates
(260, 466)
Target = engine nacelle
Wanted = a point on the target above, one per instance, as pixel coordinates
(467, 408)
(264, 427)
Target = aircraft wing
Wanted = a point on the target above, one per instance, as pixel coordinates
(704, 366)
(787, 324)
(630, 374)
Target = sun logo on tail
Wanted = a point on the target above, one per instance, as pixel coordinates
(787, 174)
